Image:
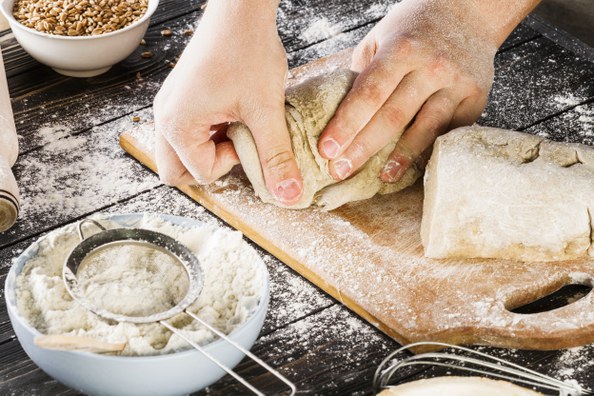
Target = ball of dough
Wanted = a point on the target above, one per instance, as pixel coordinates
(308, 109)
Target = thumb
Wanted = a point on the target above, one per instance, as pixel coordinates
(269, 129)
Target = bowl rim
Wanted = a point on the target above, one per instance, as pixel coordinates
(150, 10)
(122, 218)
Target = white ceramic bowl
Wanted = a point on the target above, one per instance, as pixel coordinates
(79, 56)
(174, 374)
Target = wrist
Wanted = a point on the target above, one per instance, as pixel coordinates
(497, 19)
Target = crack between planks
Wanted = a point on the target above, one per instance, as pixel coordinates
(10, 339)
(284, 326)
(557, 114)
(515, 45)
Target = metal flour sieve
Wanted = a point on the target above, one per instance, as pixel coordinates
(107, 238)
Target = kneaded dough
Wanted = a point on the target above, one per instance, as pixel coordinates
(493, 193)
(308, 109)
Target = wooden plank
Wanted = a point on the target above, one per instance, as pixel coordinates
(303, 23)
(73, 177)
(535, 80)
(19, 375)
(575, 126)
(331, 352)
(520, 35)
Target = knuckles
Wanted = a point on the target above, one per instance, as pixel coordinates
(278, 160)
(359, 150)
(363, 54)
(394, 116)
(371, 91)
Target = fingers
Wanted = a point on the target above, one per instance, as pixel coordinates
(432, 120)
(370, 90)
(171, 170)
(269, 129)
(184, 157)
(385, 126)
(468, 111)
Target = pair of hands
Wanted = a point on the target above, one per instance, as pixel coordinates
(423, 70)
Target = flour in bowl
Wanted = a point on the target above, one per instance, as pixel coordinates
(124, 281)
(132, 280)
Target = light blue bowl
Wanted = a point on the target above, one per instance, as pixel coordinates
(174, 374)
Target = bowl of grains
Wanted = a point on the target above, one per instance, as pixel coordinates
(79, 38)
(151, 360)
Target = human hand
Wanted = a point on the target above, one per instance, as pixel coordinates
(425, 68)
(231, 71)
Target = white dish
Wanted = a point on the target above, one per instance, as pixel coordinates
(173, 374)
(79, 56)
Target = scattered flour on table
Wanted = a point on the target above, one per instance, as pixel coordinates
(233, 273)
(320, 28)
(569, 99)
(574, 363)
(327, 23)
(76, 174)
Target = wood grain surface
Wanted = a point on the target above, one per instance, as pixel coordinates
(369, 256)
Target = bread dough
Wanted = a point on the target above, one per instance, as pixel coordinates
(309, 106)
(458, 386)
(493, 193)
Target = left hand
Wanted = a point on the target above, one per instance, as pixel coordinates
(424, 68)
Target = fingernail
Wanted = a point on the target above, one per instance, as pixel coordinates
(392, 171)
(331, 148)
(288, 190)
(343, 168)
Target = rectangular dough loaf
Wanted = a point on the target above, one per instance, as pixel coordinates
(493, 193)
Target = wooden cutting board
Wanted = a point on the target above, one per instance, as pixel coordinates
(368, 255)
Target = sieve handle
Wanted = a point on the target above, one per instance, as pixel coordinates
(95, 223)
(229, 371)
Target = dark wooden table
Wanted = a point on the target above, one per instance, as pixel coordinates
(71, 166)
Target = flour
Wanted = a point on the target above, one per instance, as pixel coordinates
(132, 280)
(233, 283)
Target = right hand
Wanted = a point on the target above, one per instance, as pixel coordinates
(231, 71)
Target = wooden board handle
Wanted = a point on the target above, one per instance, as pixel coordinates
(558, 328)
(490, 320)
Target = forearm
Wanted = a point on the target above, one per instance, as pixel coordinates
(466, 24)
